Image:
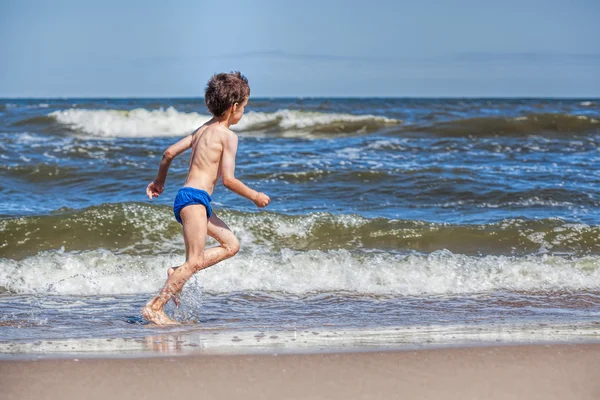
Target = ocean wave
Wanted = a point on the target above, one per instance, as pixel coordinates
(23, 105)
(103, 272)
(36, 173)
(360, 176)
(42, 120)
(137, 228)
(142, 122)
(532, 124)
(120, 226)
(170, 122)
(482, 198)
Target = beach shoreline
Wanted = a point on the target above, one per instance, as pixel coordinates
(192, 340)
(562, 371)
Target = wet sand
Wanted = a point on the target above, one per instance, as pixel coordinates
(511, 372)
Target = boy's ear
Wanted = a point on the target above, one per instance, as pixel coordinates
(230, 110)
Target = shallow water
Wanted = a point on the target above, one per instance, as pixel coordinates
(387, 215)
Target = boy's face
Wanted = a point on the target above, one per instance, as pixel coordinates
(238, 111)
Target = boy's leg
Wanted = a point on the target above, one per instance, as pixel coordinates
(229, 246)
(194, 235)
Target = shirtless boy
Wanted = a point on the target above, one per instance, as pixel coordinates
(213, 156)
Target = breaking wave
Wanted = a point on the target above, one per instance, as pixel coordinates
(142, 122)
(442, 272)
(136, 228)
(170, 122)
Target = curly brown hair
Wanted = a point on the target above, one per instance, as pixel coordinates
(223, 90)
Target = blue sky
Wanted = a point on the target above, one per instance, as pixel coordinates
(84, 48)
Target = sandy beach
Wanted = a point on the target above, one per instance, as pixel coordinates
(511, 372)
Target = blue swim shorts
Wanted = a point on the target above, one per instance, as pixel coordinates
(188, 196)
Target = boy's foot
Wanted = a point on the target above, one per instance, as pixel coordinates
(157, 317)
(176, 296)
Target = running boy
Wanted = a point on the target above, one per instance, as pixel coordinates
(213, 156)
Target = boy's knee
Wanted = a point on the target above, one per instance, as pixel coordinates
(233, 247)
(196, 263)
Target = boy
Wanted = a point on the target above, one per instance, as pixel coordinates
(213, 156)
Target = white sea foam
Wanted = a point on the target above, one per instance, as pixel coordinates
(14, 105)
(442, 272)
(136, 123)
(170, 122)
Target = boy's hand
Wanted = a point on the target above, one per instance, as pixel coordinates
(261, 200)
(154, 189)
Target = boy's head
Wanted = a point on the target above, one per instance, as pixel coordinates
(227, 93)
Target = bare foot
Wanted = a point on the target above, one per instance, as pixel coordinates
(176, 296)
(157, 317)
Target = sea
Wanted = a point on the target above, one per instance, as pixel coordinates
(394, 223)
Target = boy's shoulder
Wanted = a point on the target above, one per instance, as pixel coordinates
(225, 133)
(218, 133)
(215, 129)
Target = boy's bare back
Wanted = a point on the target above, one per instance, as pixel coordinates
(208, 145)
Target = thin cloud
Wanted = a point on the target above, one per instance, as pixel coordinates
(461, 57)
(525, 57)
(266, 54)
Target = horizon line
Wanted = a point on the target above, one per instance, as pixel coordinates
(596, 97)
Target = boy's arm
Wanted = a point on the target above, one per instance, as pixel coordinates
(230, 181)
(157, 186)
